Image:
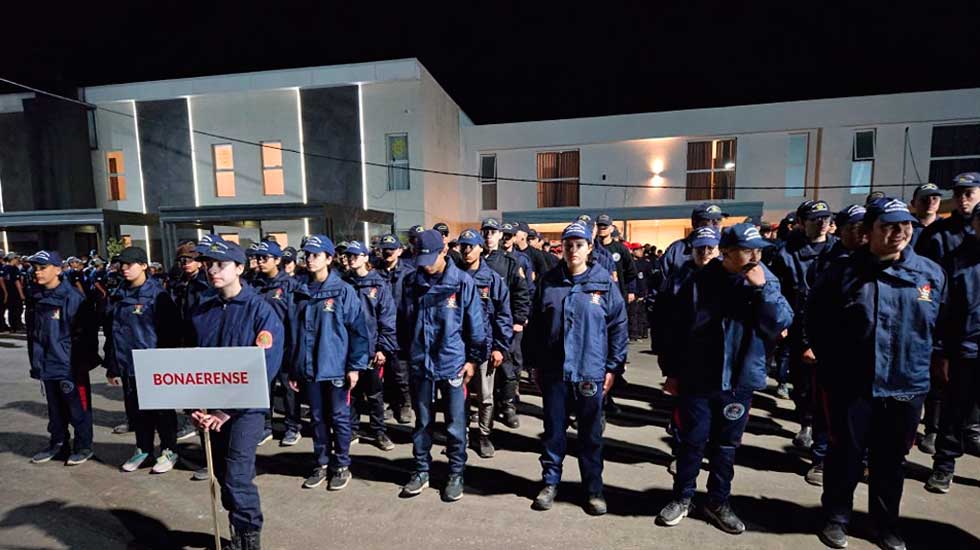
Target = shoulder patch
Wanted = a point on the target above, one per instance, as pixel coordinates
(264, 339)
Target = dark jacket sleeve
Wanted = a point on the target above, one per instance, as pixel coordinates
(629, 267)
(387, 339)
(167, 321)
(84, 332)
(503, 322)
(474, 333)
(357, 333)
(773, 313)
(404, 322)
(520, 300)
(617, 332)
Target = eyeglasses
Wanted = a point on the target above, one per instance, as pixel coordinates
(184, 260)
(263, 259)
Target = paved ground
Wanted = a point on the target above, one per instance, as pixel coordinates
(95, 506)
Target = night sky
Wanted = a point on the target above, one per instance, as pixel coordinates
(505, 63)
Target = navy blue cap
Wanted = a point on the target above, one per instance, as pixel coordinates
(430, 245)
(267, 248)
(743, 235)
(252, 249)
(45, 257)
(577, 231)
(967, 179)
(319, 243)
(224, 251)
(603, 219)
(522, 226)
(471, 237)
(356, 248)
(811, 210)
(584, 218)
(888, 210)
(852, 214)
(205, 242)
(927, 190)
(708, 211)
(704, 236)
(490, 223)
(508, 228)
(389, 242)
(533, 234)
(790, 218)
(442, 228)
(289, 254)
(415, 230)
(132, 255)
(873, 196)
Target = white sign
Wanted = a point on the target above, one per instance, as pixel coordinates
(201, 378)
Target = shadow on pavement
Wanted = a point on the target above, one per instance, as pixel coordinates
(105, 419)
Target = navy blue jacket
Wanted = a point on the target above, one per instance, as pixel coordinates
(959, 324)
(508, 268)
(661, 312)
(943, 236)
(580, 331)
(677, 254)
(331, 333)
(62, 333)
(440, 324)
(144, 317)
(721, 328)
(278, 293)
(379, 311)
(917, 229)
(495, 298)
(187, 294)
(798, 266)
(524, 261)
(872, 324)
(395, 277)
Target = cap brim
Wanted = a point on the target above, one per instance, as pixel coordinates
(929, 193)
(816, 215)
(697, 243)
(895, 217)
(755, 244)
(425, 260)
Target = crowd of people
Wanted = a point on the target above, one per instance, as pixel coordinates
(864, 317)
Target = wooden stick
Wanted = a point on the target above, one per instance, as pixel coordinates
(213, 487)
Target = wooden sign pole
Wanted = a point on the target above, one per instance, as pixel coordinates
(214, 488)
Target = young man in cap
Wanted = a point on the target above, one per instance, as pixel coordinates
(330, 351)
(495, 298)
(394, 270)
(413, 242)
(925, 206)
(443, 230)
(141, 315)
(277, 288)
(727, 318)
(549, 261)
(62, 347)
(798, 265)
(704, 215)
(875, 383)
(441, 334)
(16, 293)
(234, 315)
(642, 290)
(850, 231)
(625, 268)
(581, 334)
(508, 246)
(379, 310)
(522, 237)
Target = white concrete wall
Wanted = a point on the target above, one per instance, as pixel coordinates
(456, 198)
(117, 132)
(254, 117)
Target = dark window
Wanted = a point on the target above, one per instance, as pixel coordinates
(955, 149)
(558, 179)
(864, 145)
(488, 181)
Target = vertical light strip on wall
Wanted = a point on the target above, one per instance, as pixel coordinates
(139, 166)
(302, 154)
(190, 129)
(6, 246)
(367, 241)
(360, 116)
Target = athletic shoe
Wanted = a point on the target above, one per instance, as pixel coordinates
(927, 444)
(79, 457)
(186, 432)
(318, 476)
(484, 447)
(889, 540)
(596, 505)
(405, 415)
(724, 517)
(416, 484)
(804, 438)
(833, 535)
(545, 498)
(165, 462)
(266, 437)
(454, 488)
(201, 474)
(782, 391)
(939, 482)
(47, 454)
(135, 461)
(339, 479)
(121, 429)
(383, 442)
(674, 512)
(291, 438)
(815, 475)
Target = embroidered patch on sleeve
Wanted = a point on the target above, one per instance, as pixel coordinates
(264, 340)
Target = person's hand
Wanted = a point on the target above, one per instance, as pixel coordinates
(630, 297)
(808, 357)
(113, 380)
(469, 369)
(607, 383)
(756, 276)
(518, 328)
(294, 385)
(939, 368)
(496, 359)
(379, 358)
(352, 377)
(205, 421)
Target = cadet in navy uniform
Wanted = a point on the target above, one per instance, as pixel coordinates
(679, 251)
(798, 265)
(62, 347)
(234, 315)
(643, 291)
(330, 352)
(958, 369)
(499, 323)
(379, 320)
(726, 318)
(850, 231)
(394, 269)
(925, 206)
(141, 315)
(441, 333)
(277, 288)
(16, 292)
(4, 292)
(580, 332)
(443, 230)
(875, 381)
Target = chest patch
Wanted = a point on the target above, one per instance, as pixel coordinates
(277, 295)
(925, 293)
(138, 309)
(56, 314)
(588, 389)
(328, 305)
(373, 293)
(597, 298)
(451, 301)
(734, 411)
(264, 339)
(485, 292)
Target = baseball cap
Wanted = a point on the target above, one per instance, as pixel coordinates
(508, 228)
(133, 255)
(743, 235)
(967, 179)
(289, 254)
(852, 214)
(873, 196)
(533, 234)
(415, 230)
(815, 209)
(389, 242)
(205, 242)
(356, 248)
(888, 210)
(522, 226)
(45, 257)
(603, 219)
(442, 228)
(584, 218)
(577, 231)
(430, 245)
(251, 250)
(704, 236)
(319, 243)
(341, 247)
(186, 250)
(927, 190)
(224, 251)
(708, 211)
(490, 223)
(268, 248)
(471, 237)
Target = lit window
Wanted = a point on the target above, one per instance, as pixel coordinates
(711, 169)
(230, 237)
(115, 168)
(488, 181)
(863, 162)
(558, 179)
(796, 165)
(272, 177)
(398, 174)
(224, 169)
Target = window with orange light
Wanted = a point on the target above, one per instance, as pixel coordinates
(272, 174)
(224, 169)
(116, 173)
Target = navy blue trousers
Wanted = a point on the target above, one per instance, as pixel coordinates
(961, 396)
(585, 400)
(712, 422)
(453, 394)
(233, 451)
(370, 388)
(330, 415)
(69, 404)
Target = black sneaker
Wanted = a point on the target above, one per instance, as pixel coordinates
(339, 479)
(833, 535)
(510, 418)
(121, 429)
(815, 475)
(927, 444)
(290, 438)
(266, 437)
(484, 447)
(939, 482)
(546, 498)
(674, 512)
(383, 442)
(405, 414)
(889, 540)
(596, 505)
(416, 484)
(318, 476)
(454, 488)
(804, 439)
(201, 474)
(47, 454)
(79, 457)
(186, 432)
(782, 391)
(724, 517)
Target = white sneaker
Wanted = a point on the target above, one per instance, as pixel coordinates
(165, 462)
(135, 461)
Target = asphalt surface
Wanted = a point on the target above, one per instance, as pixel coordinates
(96, 506)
